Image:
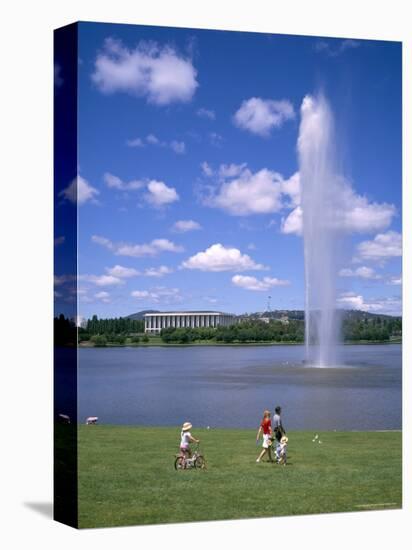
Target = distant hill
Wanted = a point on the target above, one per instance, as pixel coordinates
(299, 314)
(139, 316)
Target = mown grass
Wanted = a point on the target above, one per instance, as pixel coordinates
(127, 476)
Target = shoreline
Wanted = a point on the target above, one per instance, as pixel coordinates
(223, 344)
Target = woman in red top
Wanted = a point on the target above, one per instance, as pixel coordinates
(266, 428)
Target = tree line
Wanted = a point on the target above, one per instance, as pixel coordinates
(123, 330)
(243, 332)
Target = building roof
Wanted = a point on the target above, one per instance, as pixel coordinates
(200, 312)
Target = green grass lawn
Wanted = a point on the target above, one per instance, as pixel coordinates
(127, 476)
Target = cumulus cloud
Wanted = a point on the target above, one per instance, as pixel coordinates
(252, 283)
(206, 169)
(351, 213)
(394, 280)
(362, 272)
(183, 226)
(136, 142)
(158, 294)
(114, 182)
(220, 258)
(206, 113)
(122, 272)
(246, 192)
(79, 191)
(259, 116)
(103, 296)
(157, 73)
(155, 247)
(178, 147)
(159, 194)
(293, 222)
(231, 170)
(158, 271)
(388, 306)
(101, 280)
(383, 247)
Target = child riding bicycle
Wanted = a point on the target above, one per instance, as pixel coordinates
(185, 439)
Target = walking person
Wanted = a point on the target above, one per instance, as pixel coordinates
(279, 433)
(266, 428)
(278, 428)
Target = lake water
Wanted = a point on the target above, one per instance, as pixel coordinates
(231, 386)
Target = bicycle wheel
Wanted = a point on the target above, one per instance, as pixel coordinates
(200, 462)
(180, 463)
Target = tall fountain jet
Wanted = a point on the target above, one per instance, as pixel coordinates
(319, 181)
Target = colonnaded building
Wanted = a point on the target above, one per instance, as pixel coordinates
(154, 322)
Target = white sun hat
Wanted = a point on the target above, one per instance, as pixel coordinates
(186, 426)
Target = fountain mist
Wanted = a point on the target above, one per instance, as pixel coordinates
(318, 178)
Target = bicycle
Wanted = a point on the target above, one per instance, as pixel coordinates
(197, 460)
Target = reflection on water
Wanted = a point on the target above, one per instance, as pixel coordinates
(231, 386)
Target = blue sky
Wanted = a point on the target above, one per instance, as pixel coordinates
(188, 179)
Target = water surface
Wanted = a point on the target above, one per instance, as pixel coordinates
(231, 386)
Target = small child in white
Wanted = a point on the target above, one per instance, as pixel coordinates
(281, 450)
(186, 438)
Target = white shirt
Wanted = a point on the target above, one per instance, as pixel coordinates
(185, 439)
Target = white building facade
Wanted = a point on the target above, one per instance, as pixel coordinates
(155, 322)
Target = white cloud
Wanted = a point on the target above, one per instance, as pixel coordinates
(103, 296)
(231, 170)
(158, 295)
(292, 224)
(152, 139)
(156, 73)
(351, 213)
(362, 272)
(183, 226)
(140, 294)
(206, 113)
(178, 147)
(101, 280)
(383, 247)
(394, 280)
(122, 272)
(206, 169)
(247, 193)
(220, 258)
(386, 306)
(155, 247)
(252, 283)
(114, 182)
(158, 271)
(79, 191)
(259, 116)
(159, 194)
(137, 142)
